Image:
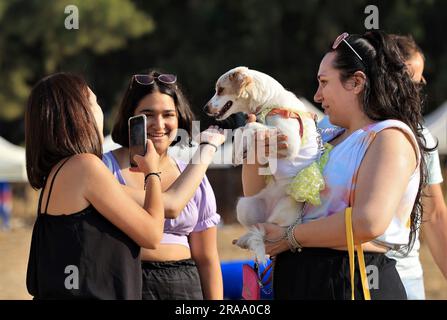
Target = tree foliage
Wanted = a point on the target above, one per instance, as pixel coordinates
(197, 40)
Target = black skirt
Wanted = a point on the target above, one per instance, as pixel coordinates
(323, 274)
(171, 280)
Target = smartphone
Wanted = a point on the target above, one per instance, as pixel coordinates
(137, 137)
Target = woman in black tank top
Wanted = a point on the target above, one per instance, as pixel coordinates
(94, 252)
(81, 255)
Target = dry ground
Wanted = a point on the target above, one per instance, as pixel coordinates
(14, 249)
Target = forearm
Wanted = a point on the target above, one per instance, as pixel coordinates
(139, 196)
(434, 225)
(136, 194)
(324, 233)
(435, 234)
(327, 232)
(330, 232)
(252, 182)
(211, 279)
(153, 204)
(184, 187)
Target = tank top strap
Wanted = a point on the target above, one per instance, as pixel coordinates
(51, 188)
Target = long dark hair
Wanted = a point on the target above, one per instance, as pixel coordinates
(389, 94)
(58, 123)
(407, 46)
(136, 92)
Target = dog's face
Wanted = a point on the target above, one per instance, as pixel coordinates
(232, 94)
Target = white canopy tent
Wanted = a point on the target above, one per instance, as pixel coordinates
(12, 162)
(436, 122)
(109, 144)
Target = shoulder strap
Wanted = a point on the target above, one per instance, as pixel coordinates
(51, 188)
(41, 195)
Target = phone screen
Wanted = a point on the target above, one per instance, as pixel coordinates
(137, 137)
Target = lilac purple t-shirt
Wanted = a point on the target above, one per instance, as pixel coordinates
(198, 215)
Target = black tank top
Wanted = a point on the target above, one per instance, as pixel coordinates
(81, 256)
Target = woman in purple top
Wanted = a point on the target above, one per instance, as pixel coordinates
(186, 264)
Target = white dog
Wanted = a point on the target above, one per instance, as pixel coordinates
(250, 91)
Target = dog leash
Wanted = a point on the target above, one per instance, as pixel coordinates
(261, 276)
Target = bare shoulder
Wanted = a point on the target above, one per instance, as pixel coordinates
(86, 161)
(395, 144)
(396, 139)
(74, 177)
(85, 165)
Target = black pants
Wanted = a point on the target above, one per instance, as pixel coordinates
(171, 280)
(323, 274)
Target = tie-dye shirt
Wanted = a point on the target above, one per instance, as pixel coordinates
(340, 174)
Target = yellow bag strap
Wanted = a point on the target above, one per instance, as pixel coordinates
(361, 258)
(350, 243)
(365, 285)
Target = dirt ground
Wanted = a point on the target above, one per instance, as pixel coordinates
(14, 250)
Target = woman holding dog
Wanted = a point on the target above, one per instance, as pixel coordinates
(186, 265)
(376, 167)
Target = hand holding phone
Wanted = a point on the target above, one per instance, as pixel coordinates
(150, 162)
(137, 137)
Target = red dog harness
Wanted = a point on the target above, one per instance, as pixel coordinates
(287, 114)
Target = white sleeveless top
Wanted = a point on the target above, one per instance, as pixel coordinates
(340, 175)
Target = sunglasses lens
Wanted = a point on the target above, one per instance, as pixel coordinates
(144, 79)
(167, 78)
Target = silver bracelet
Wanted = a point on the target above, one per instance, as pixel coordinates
(283, 237)
(294, 245)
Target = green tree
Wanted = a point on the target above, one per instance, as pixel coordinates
(198, 40)
(34, 41)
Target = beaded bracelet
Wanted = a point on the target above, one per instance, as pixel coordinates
(210, 143)
(151, 174)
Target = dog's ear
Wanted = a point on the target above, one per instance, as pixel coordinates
(240, 80)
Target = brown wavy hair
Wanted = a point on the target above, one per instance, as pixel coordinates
(58, 123)
(389, 93)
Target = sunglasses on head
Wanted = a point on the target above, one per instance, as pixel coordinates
(147, 80)
(342, 38)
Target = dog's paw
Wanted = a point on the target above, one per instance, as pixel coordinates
(243, 242)
(256, 243)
